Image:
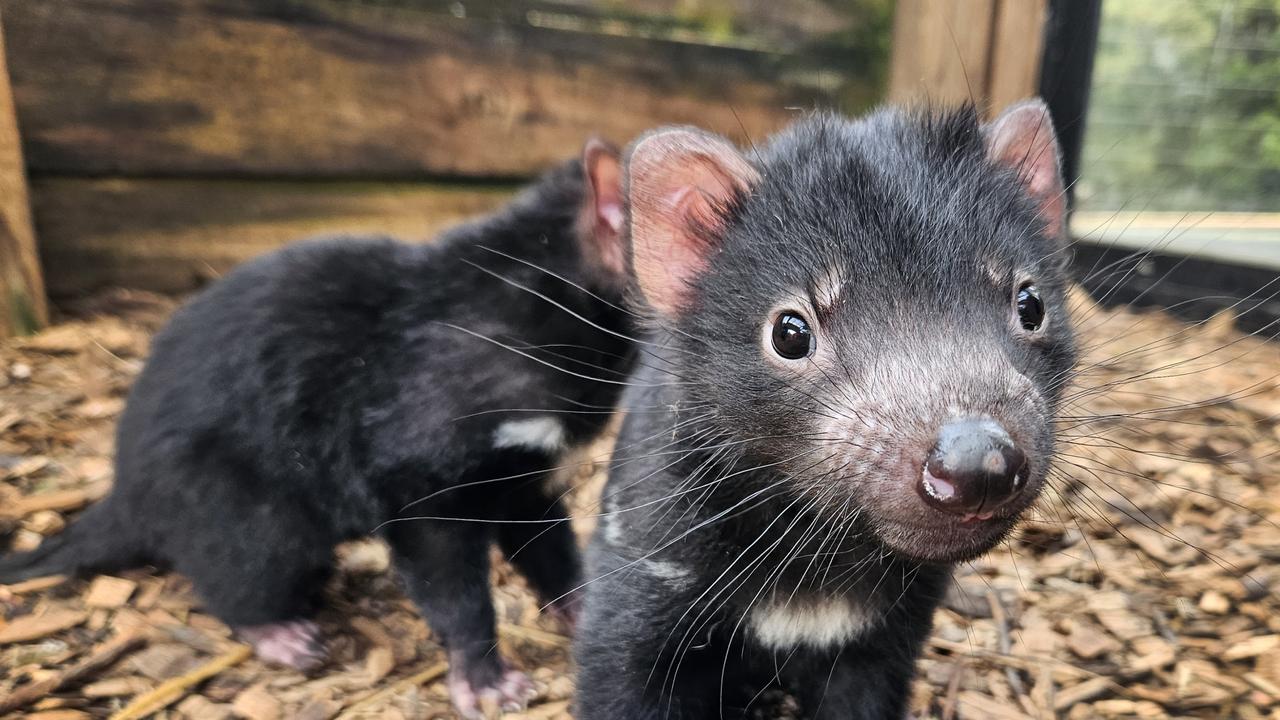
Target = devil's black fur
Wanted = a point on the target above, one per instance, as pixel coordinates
(737, 486)
(311, 394)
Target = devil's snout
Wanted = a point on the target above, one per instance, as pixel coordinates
(974, 468)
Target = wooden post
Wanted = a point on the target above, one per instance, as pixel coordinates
(1017, 47)
(22, 301)
(951, 51)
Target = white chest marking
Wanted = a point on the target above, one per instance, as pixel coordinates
(541, 433)
(673, 573)
(611, 528)
(815, 622)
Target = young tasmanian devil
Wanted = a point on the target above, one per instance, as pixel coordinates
(310, 395)
(859, 341)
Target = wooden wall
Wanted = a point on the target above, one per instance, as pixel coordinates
(22, 298)
(358, 89)
(983, 51)
(169, 139)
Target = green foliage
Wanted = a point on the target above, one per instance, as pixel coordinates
(1185, 107)
(23, 319)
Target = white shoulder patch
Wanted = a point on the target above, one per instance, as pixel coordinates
(539, 433)
(818, 623)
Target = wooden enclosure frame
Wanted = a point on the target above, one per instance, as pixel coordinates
(984, 51)
(23, 307)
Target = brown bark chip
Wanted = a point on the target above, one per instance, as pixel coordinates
(34, 627)
(109, 592)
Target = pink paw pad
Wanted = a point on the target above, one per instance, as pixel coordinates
(511, 693)
(294, 644)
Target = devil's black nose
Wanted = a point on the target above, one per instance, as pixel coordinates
(974, 469)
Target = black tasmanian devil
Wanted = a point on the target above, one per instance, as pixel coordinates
(310, 395)
(859, 340)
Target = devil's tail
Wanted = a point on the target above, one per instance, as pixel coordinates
(96, 542)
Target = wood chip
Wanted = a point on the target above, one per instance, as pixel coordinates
(62, 714)
(366, 557)
(257, 703)
(150, 594)
(25, 541)
(373, 631)
(560, 688)
(545, 711)
(35, 585)
(1268, 666)
(1264, 684)
(117, 687)
(198, 708)
(542, 637)
(371, 700)
(173, 690)
(34, 627)
(59, 339)
(45, 522)
(1089, 642)
(164, 660)
(1068, 698)
(109, 592)
(26, 466)
(102, 656)
(1214, 603)
(1253, 647)
(98, 408)
(1112, 610)
(1129, 708)
(318, 709)
(1163, 545)
(61, 500)
(379, 663)
(967, 599)
(976, 705)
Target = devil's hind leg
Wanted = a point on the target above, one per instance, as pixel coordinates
(260, 565)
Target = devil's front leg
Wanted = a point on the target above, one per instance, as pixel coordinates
(445, 566)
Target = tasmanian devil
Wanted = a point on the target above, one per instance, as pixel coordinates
(310, 395)
(858, 342)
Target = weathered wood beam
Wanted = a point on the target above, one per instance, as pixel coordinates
(22, 301)
(176, 235)
(1017, 47)
(982, 51)
(324, 88)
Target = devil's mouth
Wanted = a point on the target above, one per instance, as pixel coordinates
(947, 538)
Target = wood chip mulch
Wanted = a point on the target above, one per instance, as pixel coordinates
(1142, 587)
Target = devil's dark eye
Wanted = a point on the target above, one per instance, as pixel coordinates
(791, 336)
(1030, 308)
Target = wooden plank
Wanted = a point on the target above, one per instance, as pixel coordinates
(941, 51)
(1017, 48)
(22, 301)
(394, 89)
(176, 235)
(984, 51)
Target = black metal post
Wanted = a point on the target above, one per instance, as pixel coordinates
(1071, 40)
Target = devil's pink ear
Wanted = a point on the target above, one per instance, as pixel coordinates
(679, 182)
(1022, 138)
(601, 219)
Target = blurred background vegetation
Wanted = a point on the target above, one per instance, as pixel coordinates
(1185, 107)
